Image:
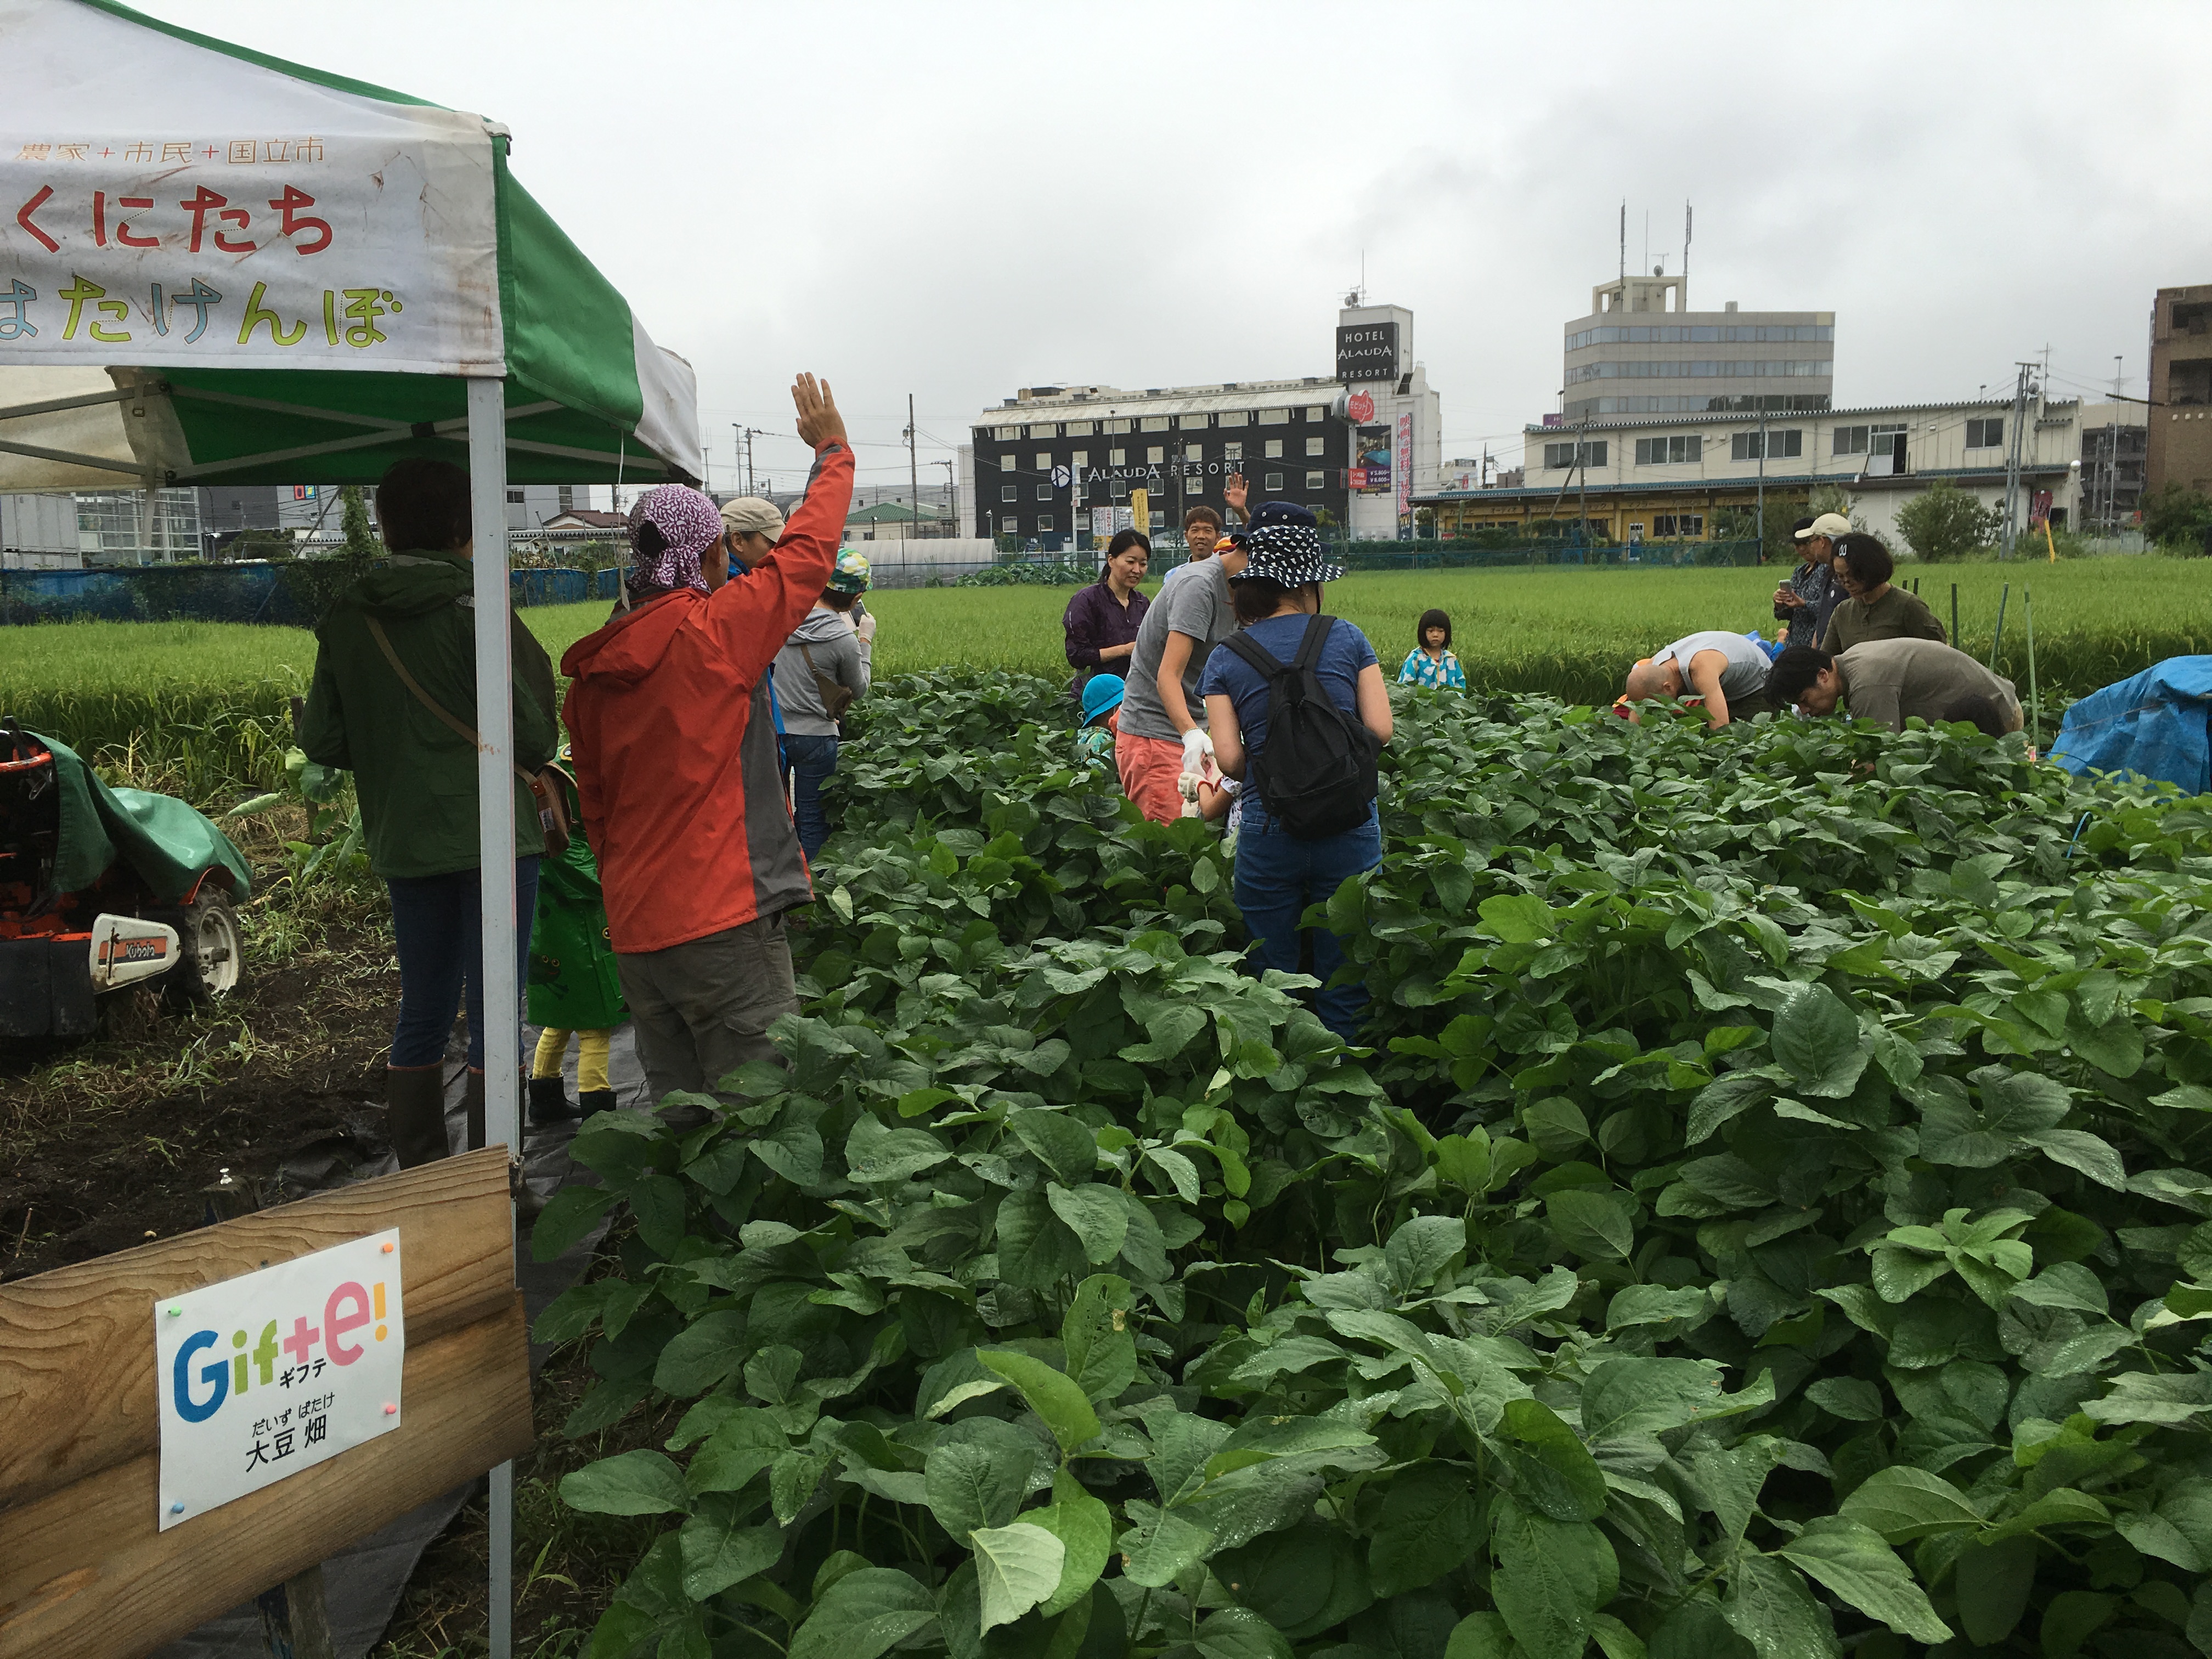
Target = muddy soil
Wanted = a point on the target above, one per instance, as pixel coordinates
(118, 1139)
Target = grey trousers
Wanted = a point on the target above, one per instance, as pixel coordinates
(702, 1009)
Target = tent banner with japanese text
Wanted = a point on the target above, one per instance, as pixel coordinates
(234, 216)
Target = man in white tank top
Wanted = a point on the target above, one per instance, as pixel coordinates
(1729, 670)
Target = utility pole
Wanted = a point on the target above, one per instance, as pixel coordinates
(1581, 454)
(741, 455)
(912, 470)
(1762, 478)
(952, 491)
(2021, 386)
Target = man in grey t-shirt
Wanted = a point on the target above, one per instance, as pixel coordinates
(1729, 670)
(1161, 713)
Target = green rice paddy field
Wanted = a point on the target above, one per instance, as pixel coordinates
(205, 704)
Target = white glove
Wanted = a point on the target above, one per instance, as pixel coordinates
(864, 625)
(1197, 749)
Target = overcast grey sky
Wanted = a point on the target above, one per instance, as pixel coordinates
(959, 200)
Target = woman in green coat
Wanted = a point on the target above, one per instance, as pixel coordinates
(572, 983)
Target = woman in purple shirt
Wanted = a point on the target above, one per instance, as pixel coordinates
(1102, 619)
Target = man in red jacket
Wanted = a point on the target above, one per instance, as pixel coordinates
(677, 773)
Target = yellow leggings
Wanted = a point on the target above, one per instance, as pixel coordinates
(591, 1057)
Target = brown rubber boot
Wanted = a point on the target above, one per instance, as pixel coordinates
(415, 1113)
(472, 1106)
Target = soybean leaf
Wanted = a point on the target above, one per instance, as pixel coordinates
(1852, 1561)
(876, 1152)
(1427, 1527)
(1239, 1634)
(1101, 1348)
(1770, 1607)
(863, 1615)
(1552, 1468)
(1053, 1395)
(1095, 1213)
(980, 1481)
(793, 1151)
(1992, 1582)
(630, 1483)
(1418, 1250)
(1902, 1503)
(1016, 1568)
(1816, 1039)
(718, 1553)
(1161, 1546)
(1066, 1145)
(2077, 1149)
(1595, 1225)
(1085, 1526)
(571, 1214)
(1481, 1636)
(1850, 1398)
(1552, 1578)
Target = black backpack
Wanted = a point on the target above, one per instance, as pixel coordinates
(1316, 771)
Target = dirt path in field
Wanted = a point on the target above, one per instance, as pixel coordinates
(110, 1143)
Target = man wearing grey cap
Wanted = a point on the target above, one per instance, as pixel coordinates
(750, 529)
(1813, 592)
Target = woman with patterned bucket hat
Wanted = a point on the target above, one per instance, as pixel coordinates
(1297, 708)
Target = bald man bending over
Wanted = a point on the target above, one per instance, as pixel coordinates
(1727, 669)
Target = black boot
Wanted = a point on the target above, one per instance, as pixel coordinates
(549, 1102)
(595, 1100)
(472, 1108)
(414, 1114)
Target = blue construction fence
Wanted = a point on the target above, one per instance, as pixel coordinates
(294, 594)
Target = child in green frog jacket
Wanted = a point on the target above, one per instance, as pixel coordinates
(573, 989)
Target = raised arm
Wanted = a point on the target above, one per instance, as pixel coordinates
(750, 619)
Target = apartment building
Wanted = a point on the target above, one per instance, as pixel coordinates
(1650, 479)
(1642, 351)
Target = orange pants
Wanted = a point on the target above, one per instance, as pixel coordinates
(1151, 773)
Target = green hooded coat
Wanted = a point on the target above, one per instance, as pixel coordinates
(416, 776)
(574, 983)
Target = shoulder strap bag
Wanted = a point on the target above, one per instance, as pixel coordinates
(544, 787)
(836, 696)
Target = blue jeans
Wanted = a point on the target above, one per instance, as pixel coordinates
(437, 925)
(809, 761)
(1278, 876)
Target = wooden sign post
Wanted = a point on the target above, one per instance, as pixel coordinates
(85, 1566)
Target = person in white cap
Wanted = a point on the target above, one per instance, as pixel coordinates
(750, 529)
(1812, 591)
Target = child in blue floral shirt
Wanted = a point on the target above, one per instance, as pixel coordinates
(1431, 662)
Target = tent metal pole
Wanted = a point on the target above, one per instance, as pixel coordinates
(496, 851)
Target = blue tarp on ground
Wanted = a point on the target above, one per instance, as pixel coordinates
(2158, 724)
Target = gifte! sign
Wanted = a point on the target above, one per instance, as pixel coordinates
(269, 1373)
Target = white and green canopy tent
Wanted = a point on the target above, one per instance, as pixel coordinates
(216, 266)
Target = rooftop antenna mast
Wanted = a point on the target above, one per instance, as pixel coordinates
(1685, 255)
(1624, 239)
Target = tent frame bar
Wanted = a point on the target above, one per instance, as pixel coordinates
(55, 405)
(486, 433)
(70, 458)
